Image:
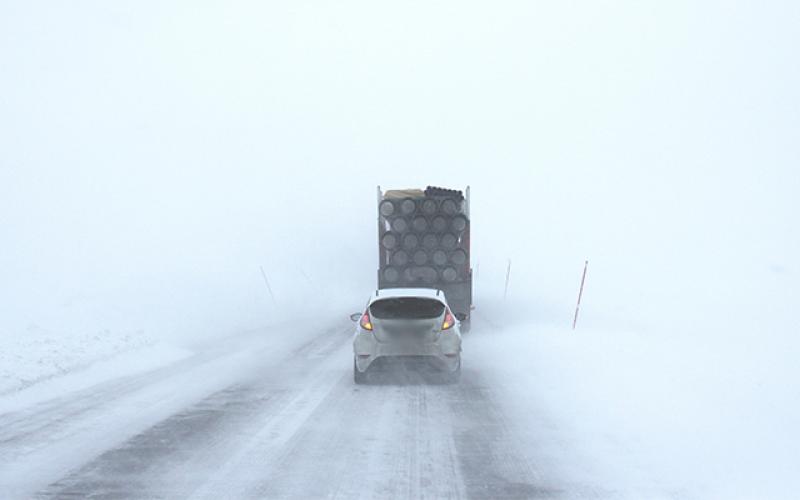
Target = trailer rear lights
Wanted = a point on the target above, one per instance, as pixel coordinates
(366, 322)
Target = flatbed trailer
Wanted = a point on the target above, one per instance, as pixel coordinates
(424, 241)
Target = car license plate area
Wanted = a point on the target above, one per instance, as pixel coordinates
(400, 334)
(407, 349)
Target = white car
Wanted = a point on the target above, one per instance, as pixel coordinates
(407, 323)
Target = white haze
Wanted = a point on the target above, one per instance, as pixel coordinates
(153, 155)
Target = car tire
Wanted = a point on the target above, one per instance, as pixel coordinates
(454, 376)
(361, 377)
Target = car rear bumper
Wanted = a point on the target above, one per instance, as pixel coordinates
(445, 350)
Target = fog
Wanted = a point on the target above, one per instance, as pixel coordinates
(154, 156)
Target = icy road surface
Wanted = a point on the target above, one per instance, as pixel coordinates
(275, 414)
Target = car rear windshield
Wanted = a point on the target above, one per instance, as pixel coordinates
(406, 308)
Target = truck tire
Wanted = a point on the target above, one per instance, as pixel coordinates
(389, 241)
(419, 224)
(386, 208)
(399, 258)
(391, 274)
(449, 241)
(449, 274)
(420, 258)
(439, 258)
(459, 223)
(400, 225)
(448, 207)
(459, 257)
(410, 241)
(438, 224)
(408, 206)
(429, 206)
(430, 241)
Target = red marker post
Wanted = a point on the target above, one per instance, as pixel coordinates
(580, 294)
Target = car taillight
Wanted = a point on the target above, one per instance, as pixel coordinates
(366, 322)
(449, 320)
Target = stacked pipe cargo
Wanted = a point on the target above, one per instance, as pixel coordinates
(424, 239)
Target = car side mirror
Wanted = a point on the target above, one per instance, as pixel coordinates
(355, 316)
(461, 316)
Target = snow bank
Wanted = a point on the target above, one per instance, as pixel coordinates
(654, 413)
(37, 354)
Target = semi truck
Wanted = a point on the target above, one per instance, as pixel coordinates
(424, 242)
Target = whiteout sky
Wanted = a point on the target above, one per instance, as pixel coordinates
(154, 154)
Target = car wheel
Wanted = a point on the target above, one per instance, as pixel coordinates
(454, 376)
(359, 377)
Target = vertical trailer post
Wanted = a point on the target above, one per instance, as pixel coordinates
(380, 250)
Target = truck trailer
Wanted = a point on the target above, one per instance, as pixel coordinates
(424, 242)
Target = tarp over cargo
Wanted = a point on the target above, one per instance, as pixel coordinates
(397, 194)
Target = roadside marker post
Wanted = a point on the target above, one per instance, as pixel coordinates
(580, 294)
(508, 275)
(266, 282)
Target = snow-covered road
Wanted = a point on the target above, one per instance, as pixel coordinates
(269, 417)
